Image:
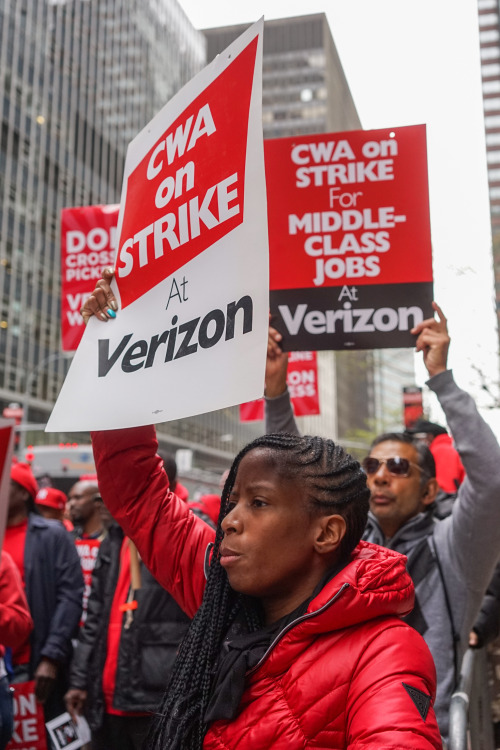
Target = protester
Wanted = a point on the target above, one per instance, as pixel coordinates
(51, 503)
(486, 627)
(47, 560)
(125, 650)
(451, 561)
(450, 472)
(207, 507)
(484, 633)
(170, 466)
(15, 626)
(296, 637)
(84, 510)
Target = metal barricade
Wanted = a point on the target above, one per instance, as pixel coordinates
(470, 707)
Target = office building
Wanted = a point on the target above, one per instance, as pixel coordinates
(305, 91)
(489, 40)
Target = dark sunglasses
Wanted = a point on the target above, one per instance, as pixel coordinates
(397, 466)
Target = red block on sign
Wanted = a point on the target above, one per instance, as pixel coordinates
(88, 240)
(29, 724)
(302, 381)
(181, 199)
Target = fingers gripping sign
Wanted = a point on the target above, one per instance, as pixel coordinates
(433, 341)
(102, 302)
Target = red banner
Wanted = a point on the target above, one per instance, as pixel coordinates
(413, 405)
(349, 237)
(29, 723)
(88, 242)
(164, 224)
(302, 381)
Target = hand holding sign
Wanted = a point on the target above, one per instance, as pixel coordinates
(192, 267)
(75, 700)
(102, 302)
(433, 340)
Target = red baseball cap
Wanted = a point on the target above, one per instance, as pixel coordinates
(51, 497)
(22, 474)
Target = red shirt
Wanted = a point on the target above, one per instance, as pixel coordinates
(114, 632)
(87, 550)
(14, 543)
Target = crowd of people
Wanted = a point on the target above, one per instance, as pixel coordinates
(317, 602)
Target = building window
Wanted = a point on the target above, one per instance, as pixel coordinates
(493, 139)
(491, 104)
(493, 121)
(490, 70)
(493, 157)
(489, 19)
(486, 4)
(490, 53)
(494, 175)
(490, 35)
(491, 87)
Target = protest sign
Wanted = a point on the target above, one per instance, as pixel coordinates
(413, 405)
(7, 433)
(67, 734)
(192, 261)
(29, 722)
(302, 382)
(349, 238)
(88, 245)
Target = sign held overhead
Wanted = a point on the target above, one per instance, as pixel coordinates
(191, 269)
(349, 235)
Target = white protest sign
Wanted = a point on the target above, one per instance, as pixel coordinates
(192, 274)
(67, 734)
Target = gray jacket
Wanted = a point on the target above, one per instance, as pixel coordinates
(448, 589)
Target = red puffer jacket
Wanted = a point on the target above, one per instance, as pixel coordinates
(347, 674)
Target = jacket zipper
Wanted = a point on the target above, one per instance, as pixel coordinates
(294, 623)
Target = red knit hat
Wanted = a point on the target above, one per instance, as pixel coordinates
(51, 497)
(22, 474)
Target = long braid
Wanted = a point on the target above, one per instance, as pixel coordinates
(333, 482)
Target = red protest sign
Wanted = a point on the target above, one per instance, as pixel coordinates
(413, 405)
(302, 381)
(181, 198)
(29, 723)
(88, 243)
(349, 237)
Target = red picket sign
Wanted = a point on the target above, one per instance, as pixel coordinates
(88, 241)
(180, 197)
(29, 722)
(349, 238)
(302, 381)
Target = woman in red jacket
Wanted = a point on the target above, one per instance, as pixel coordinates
(296, 640)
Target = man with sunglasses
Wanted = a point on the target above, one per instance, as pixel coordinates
(451, 560)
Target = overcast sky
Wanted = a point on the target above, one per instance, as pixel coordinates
(410, 62)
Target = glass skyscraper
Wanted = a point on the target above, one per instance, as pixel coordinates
(78, 79)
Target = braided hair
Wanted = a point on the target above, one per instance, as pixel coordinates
(333, 482)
